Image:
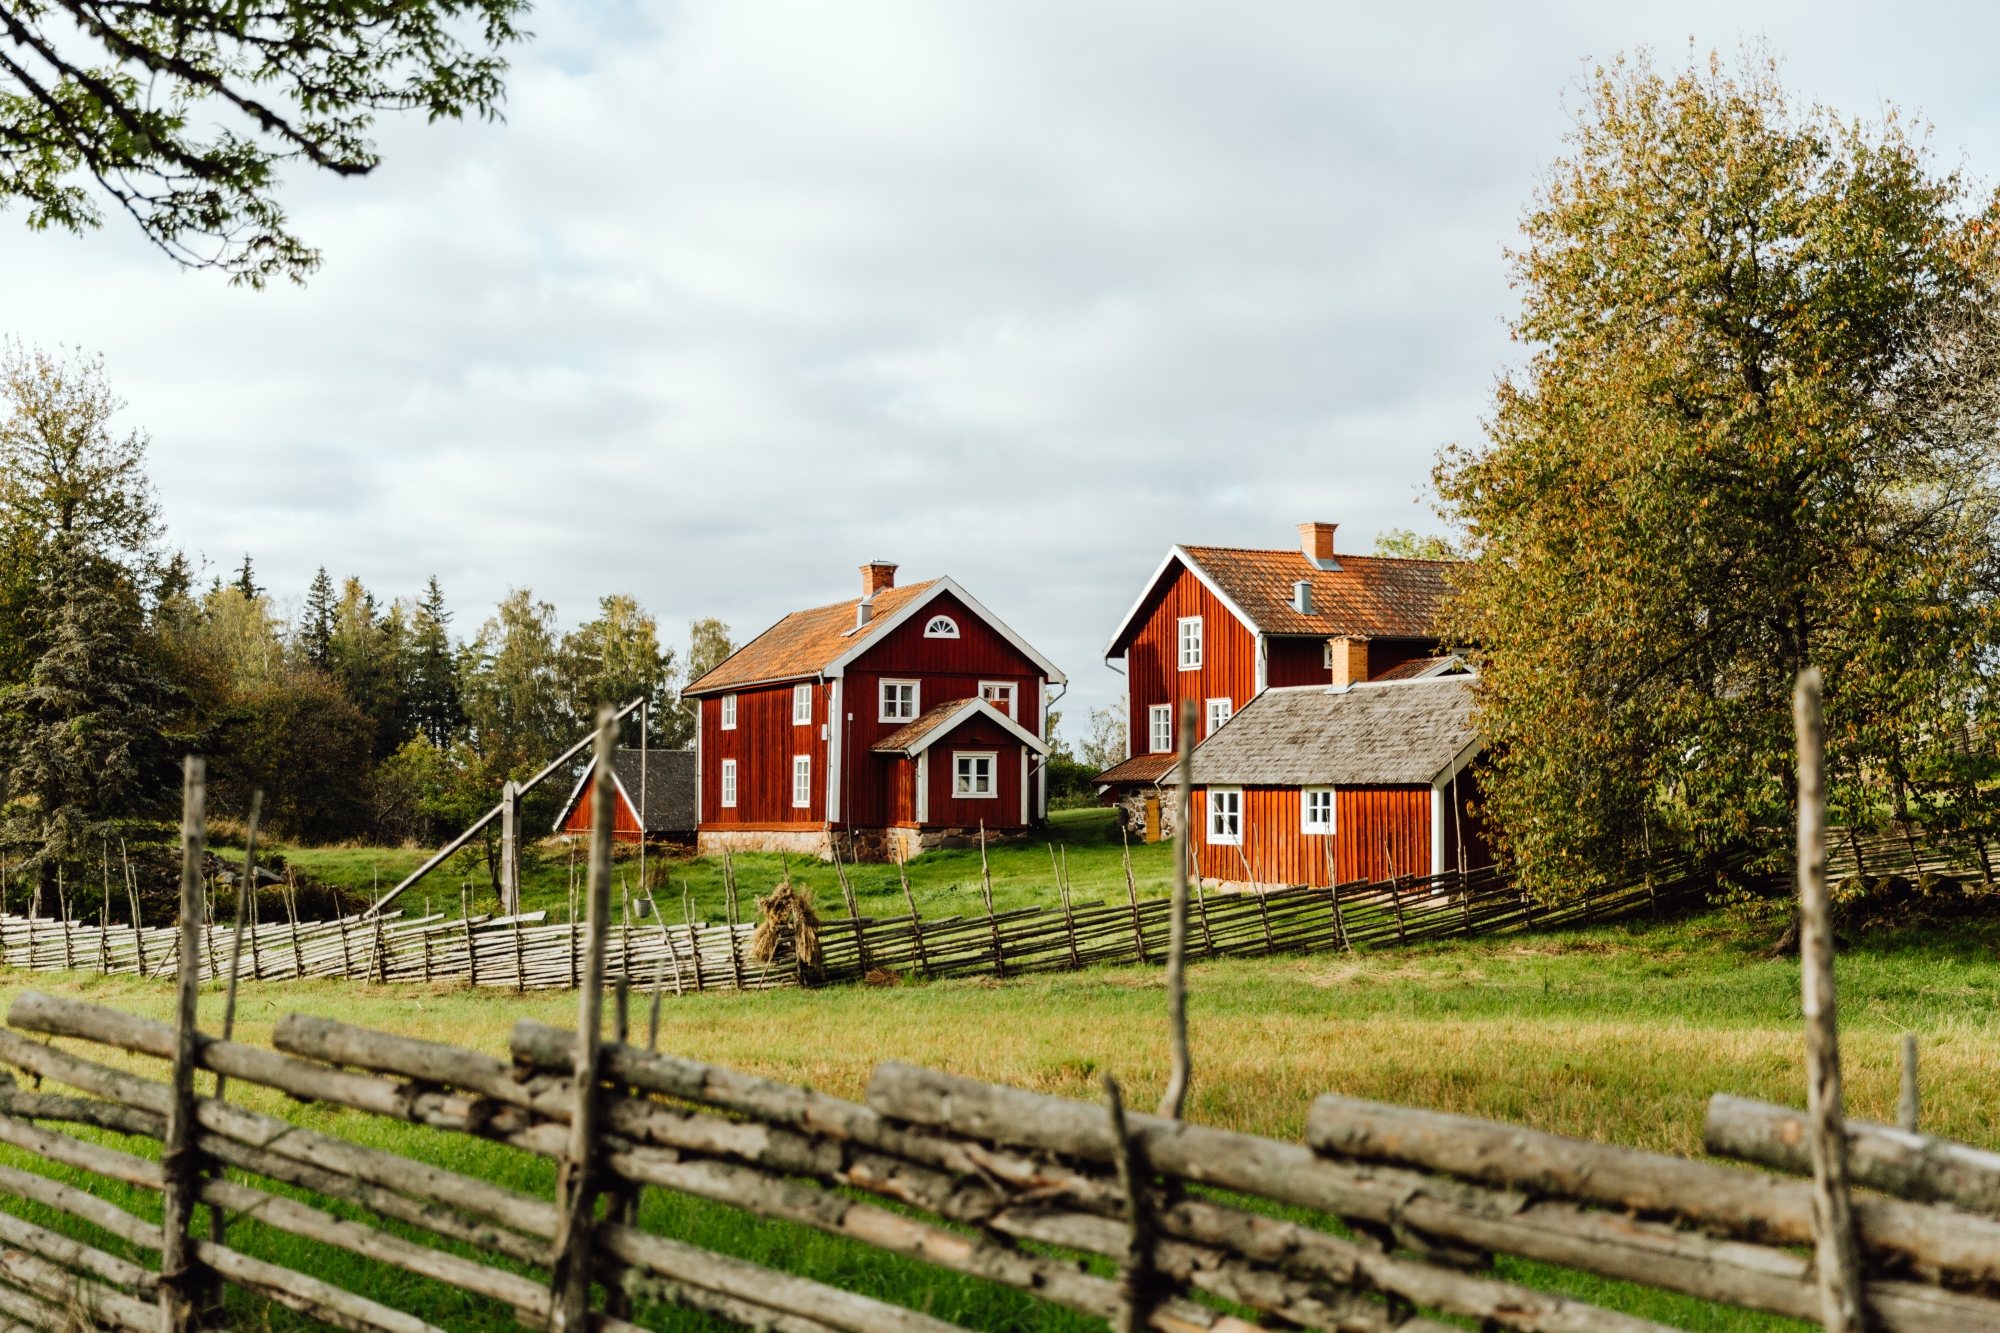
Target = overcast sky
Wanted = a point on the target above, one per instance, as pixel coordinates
(742, 294)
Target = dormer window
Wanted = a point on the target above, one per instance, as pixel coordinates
(941, 627)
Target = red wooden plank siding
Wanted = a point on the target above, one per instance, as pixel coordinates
(1152, 661)
(1279, 851)
(624, 825)
(1004, 810)
(762, 744)
(1296, 662)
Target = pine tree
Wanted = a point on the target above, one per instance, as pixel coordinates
(86, 736)
(429, 673)
(246, 583)
(316, 626)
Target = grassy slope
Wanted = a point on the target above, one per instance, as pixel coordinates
(1614, 1034)
(945, 883)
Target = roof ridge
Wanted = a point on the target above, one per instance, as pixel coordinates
(837, 606)
(1337, 555)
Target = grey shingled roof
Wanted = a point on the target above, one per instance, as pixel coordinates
(1402, 733)
(669, 787)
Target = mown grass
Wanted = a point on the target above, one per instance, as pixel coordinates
(944, 883)
(1618, 1034)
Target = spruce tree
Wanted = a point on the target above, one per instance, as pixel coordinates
(246, 582)
(85, 737)
(429, 673)
(316, 626)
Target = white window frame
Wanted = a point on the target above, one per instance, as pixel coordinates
(802, 705)
(1160, 729)
(1225, 707)
(1188, 632)
(940, 627)
(1224, 812)
(883, 712)
(1013, 693)
(959, 758)
(802, 782)
(1307, 824)
(1326, 654)
(729, 784)
(729, 712)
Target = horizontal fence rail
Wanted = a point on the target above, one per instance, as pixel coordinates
(528, 952)
(963, 1171)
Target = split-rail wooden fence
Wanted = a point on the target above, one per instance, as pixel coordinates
(529, 952)
(1404, 1209)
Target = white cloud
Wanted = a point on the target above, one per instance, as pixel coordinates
(744, 293)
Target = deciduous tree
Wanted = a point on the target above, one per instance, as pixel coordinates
(1755, 432)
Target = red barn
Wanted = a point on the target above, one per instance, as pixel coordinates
(900, 721)
(1220, 625)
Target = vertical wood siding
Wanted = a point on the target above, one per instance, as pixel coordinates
(624, 824)
(1295, 662)
(762, 745)
(1152, 660)
(1004, 810)
(1279, 851)
(944, 669)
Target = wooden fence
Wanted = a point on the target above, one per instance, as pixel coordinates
(1403, 1210)
(528, 952)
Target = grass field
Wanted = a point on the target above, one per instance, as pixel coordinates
(944, 883)
(1618, 1034)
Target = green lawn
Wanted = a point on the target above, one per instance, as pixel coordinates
(1618, 1034)
(944, 883)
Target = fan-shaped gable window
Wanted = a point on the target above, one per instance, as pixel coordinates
(941, 627)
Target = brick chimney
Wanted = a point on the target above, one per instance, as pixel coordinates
(877, 575)
(1316, 543)
(1348, 658)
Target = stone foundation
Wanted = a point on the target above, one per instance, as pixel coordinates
(875, 846)
(803, 842)
(1134, 807)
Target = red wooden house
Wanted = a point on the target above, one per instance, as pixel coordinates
(1322, 785)
(905, 719)
(1220, 625)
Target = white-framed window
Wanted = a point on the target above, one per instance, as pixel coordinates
(941, 627)
(1190, 639)
(899, 701)
(1316, 810)
(729, 782)
(972, 776)
(802, 781)
(1160, 728)
(999, 693)
(1218, 713)
(802, 705)
(1225, 815)
(1326, 654)
(729, 712)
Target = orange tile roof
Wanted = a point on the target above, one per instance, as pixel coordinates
(1372, 595)
(803, 643)
(901, 739)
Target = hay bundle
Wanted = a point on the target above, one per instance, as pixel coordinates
(788, 919)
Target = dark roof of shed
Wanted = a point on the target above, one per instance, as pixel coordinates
(1400, 733)
(669, 786)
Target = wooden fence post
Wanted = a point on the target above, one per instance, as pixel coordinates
(1138, 1284)
(1132, 895)
(916, 921)
(729, 910)
(1174, 1099)
(576, 1192)
(1837, 1254)
(1069, 916)
(179, 1280)
(1909, 1109)
(992, 923)
(244, 887)
(694, 939)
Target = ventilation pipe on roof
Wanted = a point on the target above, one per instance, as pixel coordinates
(1302, 597)
(864, 611)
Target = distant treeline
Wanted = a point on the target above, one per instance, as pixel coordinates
(358, 716)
